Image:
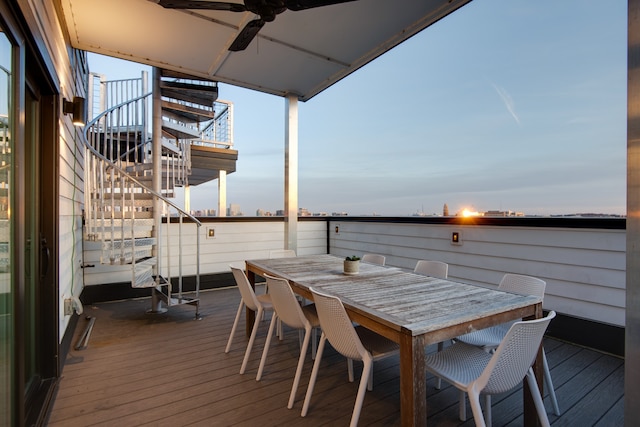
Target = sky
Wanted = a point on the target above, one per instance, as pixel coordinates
(513, 105)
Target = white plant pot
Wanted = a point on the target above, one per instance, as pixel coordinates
(351, 267)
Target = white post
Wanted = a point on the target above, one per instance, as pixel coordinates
(222, 193)
(291, 174)
(187, 198)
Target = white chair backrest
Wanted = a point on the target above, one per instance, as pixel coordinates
(374, 259)
(282, 253)
(337, 326)
(523, 285)
(514, 356)
(246, 291)
(432, 268)
(285, 303)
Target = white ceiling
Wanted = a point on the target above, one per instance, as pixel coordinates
(300, 53)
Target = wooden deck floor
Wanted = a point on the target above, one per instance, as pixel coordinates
(169, 369)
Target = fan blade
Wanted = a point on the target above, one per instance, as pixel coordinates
(203, 5)
(246, 35)
(297, 5)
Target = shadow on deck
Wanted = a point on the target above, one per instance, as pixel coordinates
(169, 369)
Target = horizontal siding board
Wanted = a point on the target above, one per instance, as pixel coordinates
(583, 268)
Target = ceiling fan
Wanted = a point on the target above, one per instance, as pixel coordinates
(265, 9)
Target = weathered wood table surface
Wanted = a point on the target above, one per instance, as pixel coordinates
(411, 309)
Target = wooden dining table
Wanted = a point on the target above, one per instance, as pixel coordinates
(411, 309)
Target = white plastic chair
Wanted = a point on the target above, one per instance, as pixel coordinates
(257, 303)
(288, 310)
(352, 342)
(281, 253)
(374, 259)
(489, 339)
(474, 371)
(437, 269)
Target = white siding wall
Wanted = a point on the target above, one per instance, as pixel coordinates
(233, 242)
(68, 65)
(584, 268)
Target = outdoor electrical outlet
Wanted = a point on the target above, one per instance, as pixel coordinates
(68, 307)
(211, 233)
(456, 238)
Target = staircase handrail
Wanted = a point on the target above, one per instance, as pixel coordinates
(121, 170)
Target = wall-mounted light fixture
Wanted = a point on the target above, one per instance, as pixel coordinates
(77, 108)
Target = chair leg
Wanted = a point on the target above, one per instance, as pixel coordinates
(350, 369)
(314, 343)
(233, 328)
(474, 401)
(438, 379)
(296, 378)
(537, 399)
(552, 391)
(314, 375)
(362, 388)
(462, 406)
(267, 343)
(251, 340)
(487, 409)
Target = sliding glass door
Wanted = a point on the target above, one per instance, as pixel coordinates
(6, 294)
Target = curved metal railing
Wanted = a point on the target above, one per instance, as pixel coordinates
(122, 208)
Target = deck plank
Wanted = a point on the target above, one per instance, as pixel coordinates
(169, 369)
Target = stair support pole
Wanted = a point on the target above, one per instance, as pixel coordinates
(156, 293)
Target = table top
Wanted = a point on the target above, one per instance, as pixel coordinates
(399, 301)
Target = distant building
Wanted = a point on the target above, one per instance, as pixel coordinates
(261, 212)
(445, 210)
(503, 213)
(234, 210)
(203, 212)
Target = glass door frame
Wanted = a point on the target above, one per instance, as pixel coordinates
(31, 66)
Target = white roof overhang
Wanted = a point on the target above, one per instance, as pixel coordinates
(300, 53)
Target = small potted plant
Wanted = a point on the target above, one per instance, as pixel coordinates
(351, 264)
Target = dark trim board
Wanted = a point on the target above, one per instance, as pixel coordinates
(66, 343)
(587, 333)
(121, 291)
(584, 222)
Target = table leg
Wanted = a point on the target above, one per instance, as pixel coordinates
(530, 414)
(250, 315)
(413, 387)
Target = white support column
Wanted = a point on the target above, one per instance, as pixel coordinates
(187, 198)
(222, 193)
(291, 174)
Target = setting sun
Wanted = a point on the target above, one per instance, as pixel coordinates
(468, 213)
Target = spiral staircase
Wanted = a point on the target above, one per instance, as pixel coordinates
(141, 146)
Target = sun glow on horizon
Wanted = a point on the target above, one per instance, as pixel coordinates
(467, 213)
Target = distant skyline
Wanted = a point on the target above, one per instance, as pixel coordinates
(503, 105)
